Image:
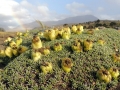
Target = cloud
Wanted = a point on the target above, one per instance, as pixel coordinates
(75, 5)
(100, 9)
(43, 10)
(106, 17)
(12, 12)
(78, 8)
(114, 1)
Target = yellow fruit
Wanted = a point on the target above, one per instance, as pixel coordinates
(57, 47)
(8, 52)
(51, 34)
(101, 41)
(78, 31)
(22, 49)
(15, 50)
(35, 55)
(74, 28)
(2, 53)
(18, 41)
(116, 57)
(56, 31)
(36, 42)
(66, 64)
(67, 29)
(40, 34)
(76, 47)
(19, 34)
(104, 75)
(46, 51)
(66, 35)
(12, 43)
(114, 72)
(46, 67)
(80, 27)
(8, 39)
(88, 44)
(45, 34)
(59, 33)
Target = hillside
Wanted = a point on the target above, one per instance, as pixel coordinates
(69, 20)
(22, 73)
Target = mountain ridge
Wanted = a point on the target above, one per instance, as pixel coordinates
(68, 20)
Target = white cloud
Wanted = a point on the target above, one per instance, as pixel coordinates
(106, 17)
(100, 9)
(11, 27)
(78, 8)
(75, 5)
(6, 7)
(113, 1)
(43, 10)
(12, 12)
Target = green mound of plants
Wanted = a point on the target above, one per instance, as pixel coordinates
(22, 73)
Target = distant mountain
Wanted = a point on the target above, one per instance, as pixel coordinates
(69, 20)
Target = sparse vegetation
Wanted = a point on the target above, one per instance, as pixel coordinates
(22, 72)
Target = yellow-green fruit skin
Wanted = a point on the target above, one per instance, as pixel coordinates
(74, 29)
(19, 41)
(101, 42)
(37, 45)
(15, 52)
(66, 35)
(8, 52)
(2, 53)
(46, 51)
(46, 69)
(103, 77)
(116, 58)
(51, 35)
(78, 31)
(87, 45)
(66, 69)
(58, 48)
(22, 49)
(12, 43)
(77, 47)
(36, 56)
(113, 73)
(66, 64)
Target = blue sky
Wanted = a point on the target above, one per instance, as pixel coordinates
(15, 12)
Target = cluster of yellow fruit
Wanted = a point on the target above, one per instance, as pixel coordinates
(37, 49)
(23, 34)
(66, 65)
(79, 45)
(14, 48)
(85, 45)
(107, 75)
(63, 32)
(8, 39)
(77, 29)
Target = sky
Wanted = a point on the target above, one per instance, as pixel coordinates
(16, 12)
